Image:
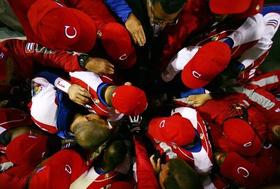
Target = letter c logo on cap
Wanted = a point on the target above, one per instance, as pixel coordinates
(196, 74)
(248, 144)
(245, 173)
(70, 36)
(162, 124)
(68, 169)
(123, 57)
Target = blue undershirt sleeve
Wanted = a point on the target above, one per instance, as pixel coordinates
(120, 8)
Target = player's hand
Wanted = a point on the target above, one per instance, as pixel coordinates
(78, 94)
(134, 27)
(134, 125)
(156, 164)
(198, 100)
(99, 66)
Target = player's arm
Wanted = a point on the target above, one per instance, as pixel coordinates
(76, 93)
(68, 61)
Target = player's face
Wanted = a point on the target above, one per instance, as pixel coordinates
(89, 117)
(85, 118)
(158, 16)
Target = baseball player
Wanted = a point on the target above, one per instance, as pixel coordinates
(142, 168)
(183, 135)
(259, 27)
(251, 157)
(199, 16)
(68, 169)
(22, 155)
(245, 67)
(19, 58)
(12, 118)
(60, 114)
(262, 92)
(249, 172)
(78, 27)
(105, 168)
(176, 174)
(110, 100)
(59, 170)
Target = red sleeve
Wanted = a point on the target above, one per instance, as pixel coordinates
(24, 51)
(194, 16)
(145, 174)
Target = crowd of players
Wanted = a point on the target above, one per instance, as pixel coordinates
(143, 94)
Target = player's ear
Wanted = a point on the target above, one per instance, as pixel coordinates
(128, 83)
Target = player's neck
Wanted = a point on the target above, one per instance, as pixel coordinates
(108, 94)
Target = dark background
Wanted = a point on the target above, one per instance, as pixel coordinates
(273, 60)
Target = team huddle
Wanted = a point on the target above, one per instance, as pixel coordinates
(146, 94)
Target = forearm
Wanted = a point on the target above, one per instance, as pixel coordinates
(23, 50)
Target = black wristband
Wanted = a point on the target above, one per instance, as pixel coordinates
(83, 59)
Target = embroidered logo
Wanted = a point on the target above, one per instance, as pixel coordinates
(70, 32)
(243, 171)
(196, 74)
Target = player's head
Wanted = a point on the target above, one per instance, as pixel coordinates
(168, 7)
(174, 129)
(127, 99)
(209, 61)
(76, 31)
(164, 12)
(81, 118)
(246, 142)
(114, 154)
(177, 174)
(91, 134)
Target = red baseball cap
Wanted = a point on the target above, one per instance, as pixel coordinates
(210, 60)
(117, 44)
(229, 7)
(239, 169)
(248, 7)
(59, 27)
(27, 149)
(129, 100)
(174, 129)
(59, 171)
(12, 117)
(255, 7)
(241, 137)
